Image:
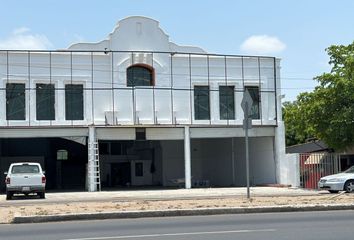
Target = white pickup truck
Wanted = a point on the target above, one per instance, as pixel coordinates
(25, 178)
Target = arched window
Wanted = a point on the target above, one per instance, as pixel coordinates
(140, 75)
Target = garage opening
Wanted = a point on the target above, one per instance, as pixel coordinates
(63, 160)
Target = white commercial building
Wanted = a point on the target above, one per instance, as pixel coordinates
(138, 110)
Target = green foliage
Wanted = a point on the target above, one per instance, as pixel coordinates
(327, 113)
(294, 115)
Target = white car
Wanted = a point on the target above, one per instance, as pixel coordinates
(25, 178)
(338, 182)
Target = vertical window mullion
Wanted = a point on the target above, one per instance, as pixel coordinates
(7, 81)
(259, 91)
(50, 82)
(71, 82)
(29, 87)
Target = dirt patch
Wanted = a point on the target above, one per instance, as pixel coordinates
(8, 212)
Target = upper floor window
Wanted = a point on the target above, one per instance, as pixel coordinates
(227, 102)
(254, 92)
(201, 103)
(140, 75)
(45, 101)
(74, 102)
(15, 101)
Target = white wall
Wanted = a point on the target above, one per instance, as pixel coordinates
(172, 152)
(212, 160)
(262, 161)
(290, 170)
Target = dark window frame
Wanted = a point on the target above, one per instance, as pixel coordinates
(199, 113)
(256, 97)
(70, 115)
(230, 110)
(40, 115)
(12, 96)
(147, 67)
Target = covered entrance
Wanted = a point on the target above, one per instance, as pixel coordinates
(130, 163)
(159, 159)
(63, 158)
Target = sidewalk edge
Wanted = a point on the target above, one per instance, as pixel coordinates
(178, 212)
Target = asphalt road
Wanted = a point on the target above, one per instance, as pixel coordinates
(298, 225)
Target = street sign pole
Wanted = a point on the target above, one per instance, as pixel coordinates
(247, 124)
(247, 156)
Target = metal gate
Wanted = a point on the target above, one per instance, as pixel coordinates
(313, 166)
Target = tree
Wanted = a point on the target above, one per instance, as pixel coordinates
(295, 131)
(327, 113)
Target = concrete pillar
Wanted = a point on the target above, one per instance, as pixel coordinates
(91, 160)
(187, 158)
(279, 145)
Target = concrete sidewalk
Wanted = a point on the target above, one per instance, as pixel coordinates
(159, 194)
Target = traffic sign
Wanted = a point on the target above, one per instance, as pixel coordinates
(246, 104)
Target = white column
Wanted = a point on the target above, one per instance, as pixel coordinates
(279, 143)
(91, 159)
(187, 157)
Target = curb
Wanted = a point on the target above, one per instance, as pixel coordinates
(178, 212)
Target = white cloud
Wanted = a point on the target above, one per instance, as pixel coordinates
(262, 44)
(23, 39)
(21, 30)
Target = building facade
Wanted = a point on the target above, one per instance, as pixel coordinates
(138, 110)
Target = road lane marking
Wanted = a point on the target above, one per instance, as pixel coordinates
(174, 234)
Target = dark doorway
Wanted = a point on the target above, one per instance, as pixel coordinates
(73, 175)
(120, 174)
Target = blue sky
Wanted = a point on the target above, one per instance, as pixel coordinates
(296, 31)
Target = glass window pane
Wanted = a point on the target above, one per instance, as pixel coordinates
(62, 154)
(254, 92)
(74, 102)
(45, 101)
(139, 76)
(201, 103)
(25, 169)
(227, 102)
(15, 101)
